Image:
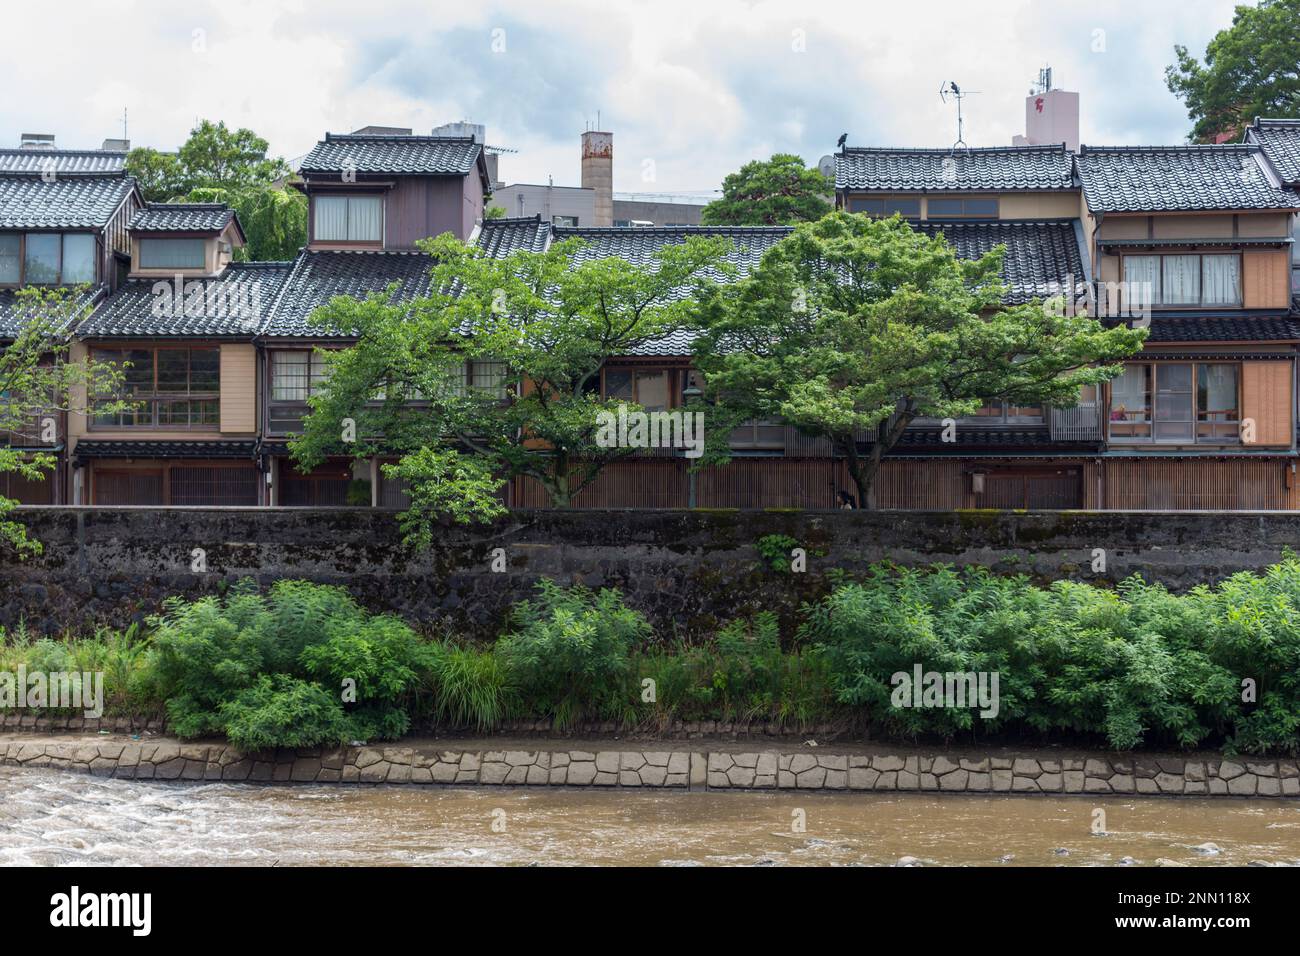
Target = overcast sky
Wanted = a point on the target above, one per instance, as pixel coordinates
(691, 89)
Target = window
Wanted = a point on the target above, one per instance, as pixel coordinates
(78, 258)
(907, 208)
(296, 375)
(1006, 413)
(759, 434)
(172, 254)
(487, 376)
(11, 271)
(349, 218)
(47, 258)
(168, 388)
(1176, 403)
(565, 221)
(1184, 279)
(41, 259)
(962, 208)
(648, 388)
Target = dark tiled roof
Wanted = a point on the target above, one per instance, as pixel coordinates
(317, 277)
(939, 170)
(91, 448)
(401, 155)
(61, 161)
(1041, 257)
(73, 202)
(639, 245)
(1227, 328)
(500, 237)
(236, 304)
(183, 217)
(13, 316)
(1280, 141)
(1175, 178)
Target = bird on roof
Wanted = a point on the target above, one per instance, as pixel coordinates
(840, 142)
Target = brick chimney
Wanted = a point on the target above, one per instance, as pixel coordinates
(598, 173)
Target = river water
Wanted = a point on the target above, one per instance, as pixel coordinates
(52, 817)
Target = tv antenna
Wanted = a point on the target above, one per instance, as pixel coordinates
(957, 93)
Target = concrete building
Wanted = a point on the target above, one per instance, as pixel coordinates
(558, 205)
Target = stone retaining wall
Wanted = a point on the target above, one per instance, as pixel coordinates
(675, 769)
(686, 570)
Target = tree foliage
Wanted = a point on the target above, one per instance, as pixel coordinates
(856, 325)
(779, 191)
(552, 319)
(1251, 69)
(38, 385)
(218, 164)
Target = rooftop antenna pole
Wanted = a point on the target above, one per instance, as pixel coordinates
(124, 133)
(957, 93)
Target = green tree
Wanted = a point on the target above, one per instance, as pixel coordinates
(856, 325)
(1251, 69)
(38, 384)
(218, 164)
(780, 191)
(549, 319)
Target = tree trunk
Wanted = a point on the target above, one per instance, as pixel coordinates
(557, 486)
(866, 470)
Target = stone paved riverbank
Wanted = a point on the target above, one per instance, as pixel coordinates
(625, 764)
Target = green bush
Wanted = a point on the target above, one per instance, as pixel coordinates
(569, 651)
(1138, 666)
(299, 665)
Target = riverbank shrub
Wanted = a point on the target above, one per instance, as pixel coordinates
(1137, 665)
(297, 665)
(568, 652)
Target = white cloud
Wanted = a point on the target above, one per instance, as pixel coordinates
(699, 86)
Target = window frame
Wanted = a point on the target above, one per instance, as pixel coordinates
(964, 202)
(63, 234)
(888, 206)
(203, 253)
(1198, 422)
(348, 197)
(670, 378)
(1158, 293)
(154, 398)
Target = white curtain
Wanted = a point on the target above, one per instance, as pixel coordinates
(1182, 280)
(289, 376)
(1142, 279)
(332, 218)
(1222, 283)
(365, 218)
(1220, 390)
(1128, 395)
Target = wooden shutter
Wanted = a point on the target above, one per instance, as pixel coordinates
(1266, 399)
(1266, 280)
(238, 389)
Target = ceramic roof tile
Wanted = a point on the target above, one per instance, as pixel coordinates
(182, 217)
(69, 202)
(14, 314)
(948, 170)
(1279, 139)
(61, 161)
(317, 277)
(235, 304)
(1178, 178)
(398, 155)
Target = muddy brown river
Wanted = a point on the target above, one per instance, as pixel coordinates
(51, 817)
